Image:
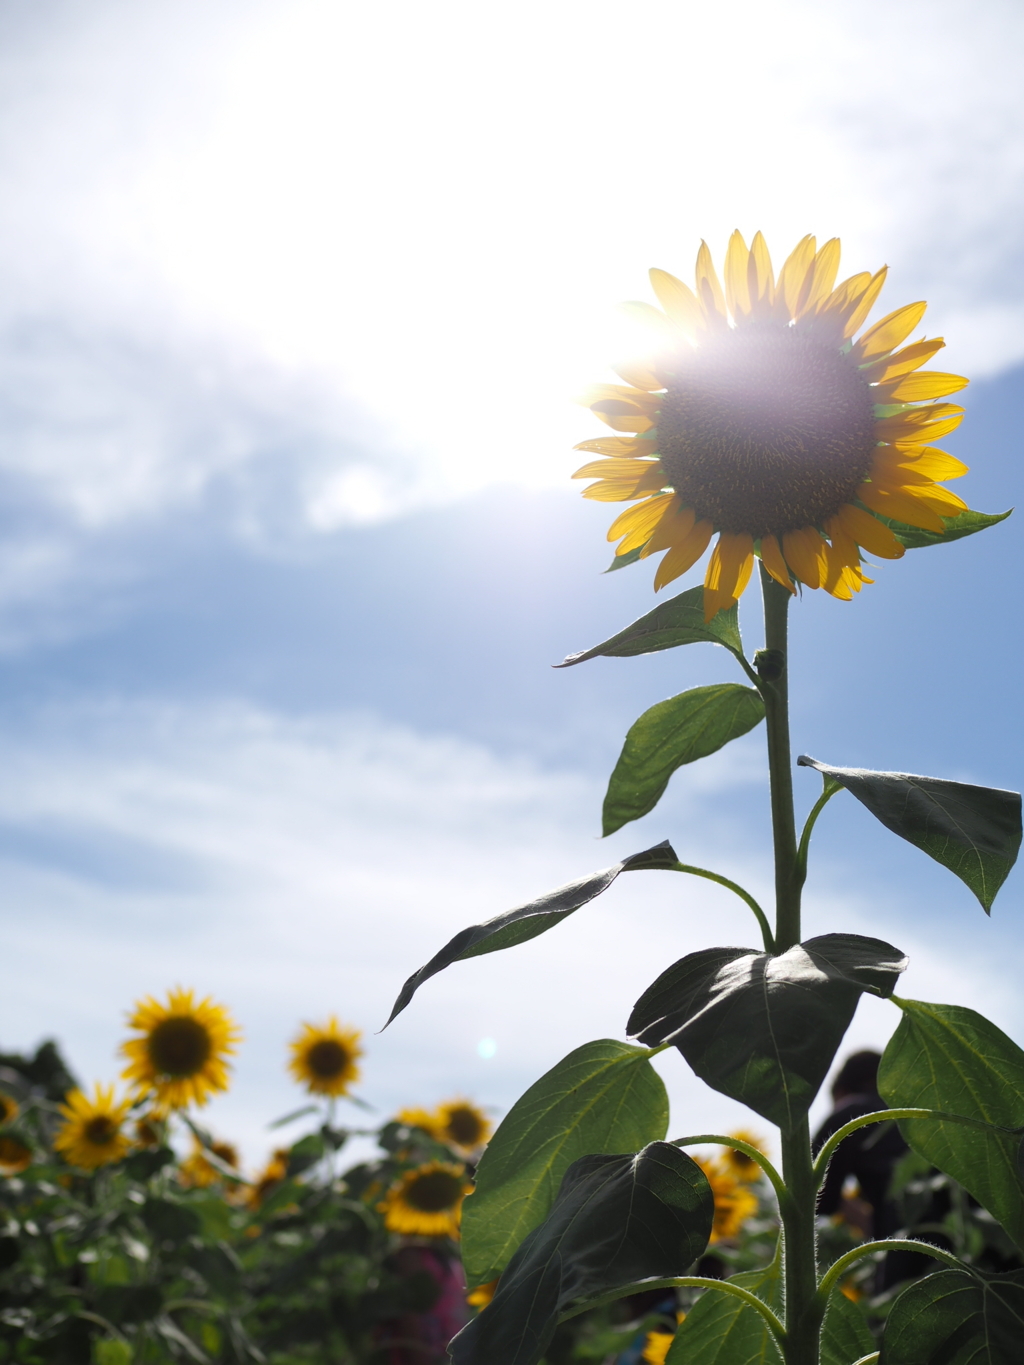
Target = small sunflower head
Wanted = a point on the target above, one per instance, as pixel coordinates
(8, 1108)
(15, 1155)
(427, 1201)
(180, 1054)
(324, 1058)
(462, 1125)
(734, 1201)
(199, 1171)
(737, 1163)
(760, 419)
(275, 1171)
(93, 1131)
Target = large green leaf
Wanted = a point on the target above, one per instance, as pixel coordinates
(616, 1220)
(762, 1028)
(527, 921)
(605, 1097)
(951, 1058)
(966, 524)
(721, 1329)
(675, 732)
(957, 1317)
(974, 831)
(845, 1336)
(679, 621)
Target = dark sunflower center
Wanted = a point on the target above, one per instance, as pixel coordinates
(226, 1153)
(100, 1131)
(327, 1059)
(13, 1152)
(6, 1108)
(464, 1127)
(434, 1191)
(179, 1046)
(764, 430)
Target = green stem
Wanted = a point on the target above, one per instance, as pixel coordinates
(884, 1116)
(762, 918)
(838, 1270)
(747, 1148)
(805, 838)
(680, 1282)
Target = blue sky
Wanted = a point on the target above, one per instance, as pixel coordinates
(295, 301)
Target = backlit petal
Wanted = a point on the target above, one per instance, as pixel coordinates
(709, 290)
(673, 529)
(683, 556)
(678, 300)
(916, 388)
(637, 524)
(868, 531)
(805, 555)
(639, 375)
(737, 294)
(728, 572)
(760, 278)
(793, 274)
(773, 560)
(887, 334)
(634, 447)
(903, 506)
(820, 278)
(866, 303)
(910, 358)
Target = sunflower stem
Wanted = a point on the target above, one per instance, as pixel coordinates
(803, 1310)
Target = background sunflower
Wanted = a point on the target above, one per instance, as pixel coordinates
(324, 1058)
(181, 1054)
(92, 1134)
(427, 1201)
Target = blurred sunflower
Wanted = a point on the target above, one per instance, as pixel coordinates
(418, 1118)
(462, 1125)
(737, 1163)
(15, 1156)
(92, 1133)
(427, 1201)
(482, 1295)
(324, 1058)
(8, 1108)
(270, 1177)
(198, 1170)
(656, 1347)
(758, 418)
(734, 1202)
(181, 1054)
(149, 1130)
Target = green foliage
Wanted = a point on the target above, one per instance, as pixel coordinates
(966, 524)
(974, 831)
(605, 1097)
(764, 1029)
(527, 921)
(722, 1330)
(957, 1317)
(679, 621)
(950, 1058)
(616, 1219)
(669, 735)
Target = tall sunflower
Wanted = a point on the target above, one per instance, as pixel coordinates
(758, 418)
(8, 1108)
(427, 1201)
(324, 1058)
(180, 1055)
(92, 1133)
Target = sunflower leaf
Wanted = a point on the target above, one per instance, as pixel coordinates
(615, 1220)
(966, 524)
(680, 621)
(604, 1097)
(951, 1058)
(721, 1329)
(620, 561)
(974, 831)
(669, 735)
(764, 1028)
(527, 921)
(957, 1317)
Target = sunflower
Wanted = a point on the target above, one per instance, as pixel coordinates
(198, 1170)
(270, 1177)
(427, 1201)
(324, 1058)
(759, 418)
(734, 1202)
(15, 1156)
(418, 1118)
(92, 1133)
(462, 1125)
(737, 1163)
(656, 1347)
(181, 1053)
(8, 1108)
(149, 1130)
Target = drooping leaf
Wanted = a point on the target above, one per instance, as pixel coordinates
(845, 1336)
(957, 1317)
(680, 621)
(527, 921)
(966, 524)
(951, 1058)
(630, 557)
(615, 1220)
(974, 831)
(605, 1097)
(764, 1028)
(671, 734)
(721, 1329)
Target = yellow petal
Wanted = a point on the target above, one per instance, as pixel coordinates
(868, 531)
(805, 555)
(835, 581)
(618, 469)
(867, 302)
(938, 499)
(774, 561)
(636, 524)
(844, 546)
(919, 426)
(820, 278)
(728, 572)
(653, 319)
(760, 277)
(903, 506)
(737, 294)
(935, 463)
(678, 300)
(915, 388)
(793, 274)
(673, 529)
(886, 335)
(624, 393)
(633, 447)
(643, 477)
(833, 310)
(910, 358)
(683, 556)
(639, 375)
(709, 291)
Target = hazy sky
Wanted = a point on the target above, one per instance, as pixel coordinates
(294, 299)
